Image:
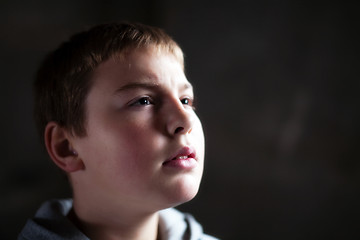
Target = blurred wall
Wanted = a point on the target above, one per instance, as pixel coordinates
(278, 93)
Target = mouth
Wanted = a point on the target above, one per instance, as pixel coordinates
(185, 158)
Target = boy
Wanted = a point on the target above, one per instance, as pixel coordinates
(116, 114)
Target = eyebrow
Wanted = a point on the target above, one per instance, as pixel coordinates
(146, 85)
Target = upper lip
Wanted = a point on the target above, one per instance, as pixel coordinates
(184, 151)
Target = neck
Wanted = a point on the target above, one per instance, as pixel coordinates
(114, 226)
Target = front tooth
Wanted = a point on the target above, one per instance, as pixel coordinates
(182, 157)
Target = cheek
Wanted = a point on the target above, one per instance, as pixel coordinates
(139, 137)
(125, 154)
(133, 146)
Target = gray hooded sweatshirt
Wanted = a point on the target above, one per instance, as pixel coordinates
(50, 222)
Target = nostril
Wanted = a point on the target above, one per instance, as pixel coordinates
(179, 129)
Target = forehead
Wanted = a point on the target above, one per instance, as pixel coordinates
(150, 64)
(153, 49)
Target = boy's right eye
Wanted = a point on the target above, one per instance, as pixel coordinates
(142, 101)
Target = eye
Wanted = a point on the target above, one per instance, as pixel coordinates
(142, 101)
(187, 101)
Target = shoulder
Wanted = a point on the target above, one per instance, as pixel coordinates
(50, 222)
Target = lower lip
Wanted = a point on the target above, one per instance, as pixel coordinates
(181, 164)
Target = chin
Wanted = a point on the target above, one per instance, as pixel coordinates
(183, 191)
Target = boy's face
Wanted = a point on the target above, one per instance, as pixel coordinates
(145, 145)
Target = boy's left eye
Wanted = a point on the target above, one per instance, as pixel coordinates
(187, 101)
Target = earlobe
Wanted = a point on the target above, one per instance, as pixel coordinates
(59, 147)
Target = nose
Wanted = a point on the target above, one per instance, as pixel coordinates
(179, 119)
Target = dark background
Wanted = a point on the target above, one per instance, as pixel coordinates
(277, 85)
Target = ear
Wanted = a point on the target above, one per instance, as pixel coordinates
(58, 145)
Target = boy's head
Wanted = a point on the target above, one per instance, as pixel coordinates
(116, 112)
(64, 78)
